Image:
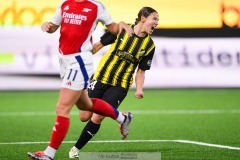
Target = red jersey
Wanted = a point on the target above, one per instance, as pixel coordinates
(78, 20)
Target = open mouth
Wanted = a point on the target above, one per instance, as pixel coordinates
(152, 28)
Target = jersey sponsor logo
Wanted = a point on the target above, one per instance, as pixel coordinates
(149, 62)
(69, 83)
(127, 57)
(142, 52)
(66, 8)
(73, 18)
(87, 9)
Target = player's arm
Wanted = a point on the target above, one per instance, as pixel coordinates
(49, 27)
(116, 28)
(106, 39)
(96, 47)
(139, 80)
(53, 25)
(144, 64)
(112, 26)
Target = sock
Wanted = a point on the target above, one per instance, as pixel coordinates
(59, 131)
(50, 152)
(75, 148)
(88, 132)
(121, 118)
(103, 108)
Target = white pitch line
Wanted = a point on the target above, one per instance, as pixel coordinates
(136, 141)
(207, 111)
(209, 144)
(136, 112)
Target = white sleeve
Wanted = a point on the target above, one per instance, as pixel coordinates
(103, 15)
(57, 17)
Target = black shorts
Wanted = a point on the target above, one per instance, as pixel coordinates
(113, 95)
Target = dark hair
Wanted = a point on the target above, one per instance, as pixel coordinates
(145, 11)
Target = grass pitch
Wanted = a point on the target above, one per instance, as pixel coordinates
(181, 124)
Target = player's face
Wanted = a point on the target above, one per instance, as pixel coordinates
(151, 22)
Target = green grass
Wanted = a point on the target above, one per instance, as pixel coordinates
(209, 127)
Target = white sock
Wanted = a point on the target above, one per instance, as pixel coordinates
(75, 148)
(120, 119)
(50, 152)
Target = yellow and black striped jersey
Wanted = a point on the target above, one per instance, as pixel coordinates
(117, 66)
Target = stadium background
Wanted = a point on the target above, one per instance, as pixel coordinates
(197, 43)
(191, 105)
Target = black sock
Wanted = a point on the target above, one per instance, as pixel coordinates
(87, 133)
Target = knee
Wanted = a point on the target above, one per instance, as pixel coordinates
(62, 110)
(85, 116)
(97, 119)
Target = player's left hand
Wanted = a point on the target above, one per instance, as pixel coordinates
(139, 94)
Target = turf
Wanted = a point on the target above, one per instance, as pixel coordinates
(203, 115)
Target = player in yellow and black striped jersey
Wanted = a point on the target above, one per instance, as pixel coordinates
(118, 65)
(114, 75)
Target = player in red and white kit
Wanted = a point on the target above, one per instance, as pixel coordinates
(78, 19)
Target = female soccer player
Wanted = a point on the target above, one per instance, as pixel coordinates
(78, 20)
(114, 75)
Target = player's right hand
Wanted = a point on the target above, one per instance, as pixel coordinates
(46, 26)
